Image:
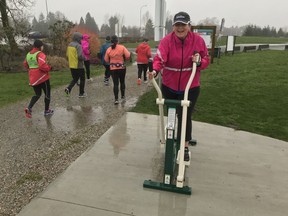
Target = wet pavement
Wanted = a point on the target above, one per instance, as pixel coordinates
(232, 173)
(34, 151)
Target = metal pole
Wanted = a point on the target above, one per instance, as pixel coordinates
(141, 16)
(46, 8)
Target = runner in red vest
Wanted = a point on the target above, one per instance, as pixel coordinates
(39, 77)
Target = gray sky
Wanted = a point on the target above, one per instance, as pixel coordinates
(236, 12)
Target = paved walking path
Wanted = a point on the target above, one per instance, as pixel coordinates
(34, 151)
(232, 173)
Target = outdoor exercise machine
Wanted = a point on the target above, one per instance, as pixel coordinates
(174, 164)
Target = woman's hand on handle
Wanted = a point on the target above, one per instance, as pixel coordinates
(152, 74)
(197, 59)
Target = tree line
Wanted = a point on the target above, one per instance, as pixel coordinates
(110, 28)
(267, 31)
(15, 21)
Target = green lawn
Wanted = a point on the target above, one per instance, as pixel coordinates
(239, 40)
(15, 86)
(246, 91)
(261, 40)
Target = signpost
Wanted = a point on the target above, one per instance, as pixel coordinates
(208, 34)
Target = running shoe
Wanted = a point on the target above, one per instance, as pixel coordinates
(48, 112)
(139, 81)
(82, 95)
(90, 80)
(28, 112)
(67, 92)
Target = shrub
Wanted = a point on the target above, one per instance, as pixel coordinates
(95, 61)
(94, 41)
(57, 63)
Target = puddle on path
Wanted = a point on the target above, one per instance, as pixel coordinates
(72, 118)
(76, 117)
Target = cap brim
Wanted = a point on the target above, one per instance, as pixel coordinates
(180, 21)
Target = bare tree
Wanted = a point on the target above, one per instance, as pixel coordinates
(11, 11)
(209, 21)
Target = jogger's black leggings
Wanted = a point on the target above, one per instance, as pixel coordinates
(87, 68)
(142, 67)
(192, 97)
(45, 86)
(107, 72)
(118, 75)
(77, 74)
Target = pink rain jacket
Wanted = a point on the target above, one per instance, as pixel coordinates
(174, 59)
(85, 46)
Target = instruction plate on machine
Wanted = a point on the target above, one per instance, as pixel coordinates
(167, 179)
(171, 118)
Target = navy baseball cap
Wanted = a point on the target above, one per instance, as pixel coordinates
(181, 17)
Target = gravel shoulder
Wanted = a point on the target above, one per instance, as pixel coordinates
(33, 152)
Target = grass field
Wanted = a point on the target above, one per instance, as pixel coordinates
(239, 40)
(15, 86)
(246, 91)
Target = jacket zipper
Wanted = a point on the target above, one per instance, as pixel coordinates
(181, 65)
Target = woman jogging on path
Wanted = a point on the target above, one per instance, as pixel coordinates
(75, 60)
(39, 77)
(103, 50)
(143, 54)
(116, 55)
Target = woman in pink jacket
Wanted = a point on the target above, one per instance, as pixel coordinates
(175, 55)
(86, 54)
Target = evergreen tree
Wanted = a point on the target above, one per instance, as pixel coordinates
(94, 26)
(253, 30)
(273, 32)
(266, 31)
(105, 30)
(81, 23)
(124, 31)
(42, 24)
(91, 24)
(34, 24)
(280, 33)
(133, 31)
(149, 30)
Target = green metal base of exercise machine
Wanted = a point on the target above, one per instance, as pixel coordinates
(171, 149)
(174, 162)
(167, 187)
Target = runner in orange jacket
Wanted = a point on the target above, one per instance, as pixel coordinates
(116, 55)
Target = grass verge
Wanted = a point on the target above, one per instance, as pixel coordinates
(15, 86)
(246, 91)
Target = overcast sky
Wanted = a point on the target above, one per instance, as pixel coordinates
(236, 12)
